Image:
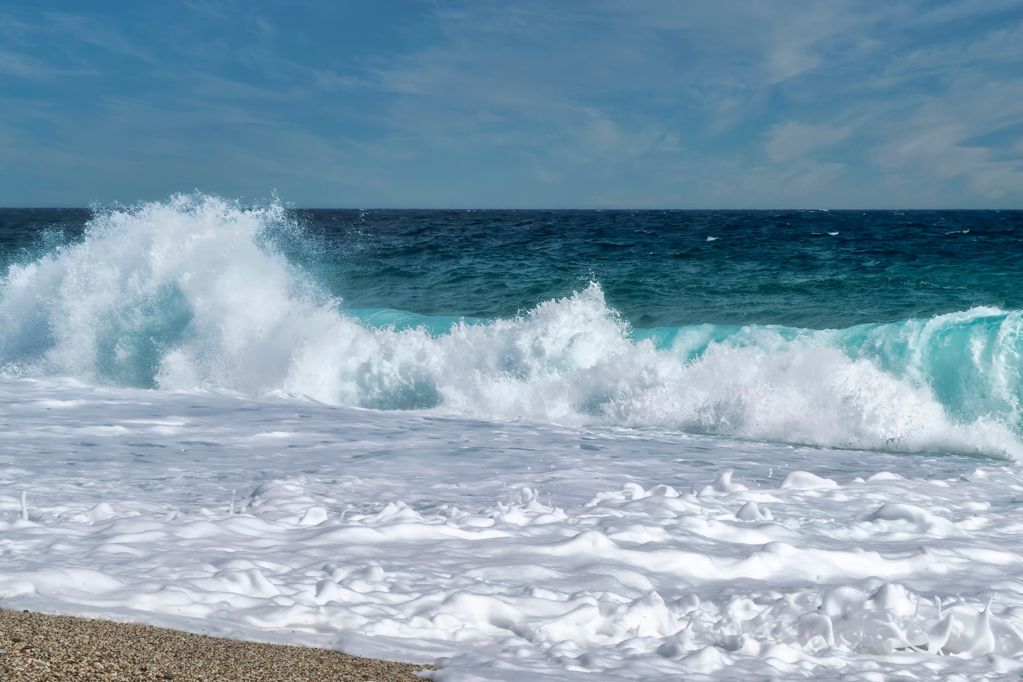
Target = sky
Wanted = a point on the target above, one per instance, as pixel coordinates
(515, 103)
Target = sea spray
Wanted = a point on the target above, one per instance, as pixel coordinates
(193, 293)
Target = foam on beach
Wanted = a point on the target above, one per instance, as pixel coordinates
(505, 550)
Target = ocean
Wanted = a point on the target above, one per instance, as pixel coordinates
(636, 444)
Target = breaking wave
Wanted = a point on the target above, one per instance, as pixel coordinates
(192, 293)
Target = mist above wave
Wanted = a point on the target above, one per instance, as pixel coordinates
(192, 293)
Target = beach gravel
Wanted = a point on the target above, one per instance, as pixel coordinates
(36, 646)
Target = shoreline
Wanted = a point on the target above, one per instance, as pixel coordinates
(37, 646)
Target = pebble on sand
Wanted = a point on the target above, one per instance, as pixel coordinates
(43, 647)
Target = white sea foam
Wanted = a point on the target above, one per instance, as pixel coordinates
(191, 294)
(512, 551)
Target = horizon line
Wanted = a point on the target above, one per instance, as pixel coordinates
(497, 208)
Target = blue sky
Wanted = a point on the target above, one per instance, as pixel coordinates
(609, 103)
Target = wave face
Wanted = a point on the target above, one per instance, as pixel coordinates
(194, 293)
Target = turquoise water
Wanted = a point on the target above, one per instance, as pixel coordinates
(890, 330)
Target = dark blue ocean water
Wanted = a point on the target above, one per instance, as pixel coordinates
(878, 329)
(813, 269)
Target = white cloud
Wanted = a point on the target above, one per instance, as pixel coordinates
(583, 100)
(793, 140)
(937, 138)
(330, 80)
(23, 66)
(97, 34)
(800, 184)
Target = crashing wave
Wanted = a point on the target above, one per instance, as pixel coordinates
(192, 294)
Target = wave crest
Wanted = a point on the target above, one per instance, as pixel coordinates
(191, 293)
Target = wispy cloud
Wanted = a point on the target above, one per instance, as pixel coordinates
(328, 79)
(23, 66)
(481, 102)
(794, 140)
(100, 35)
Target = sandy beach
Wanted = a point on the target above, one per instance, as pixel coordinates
(36, 646)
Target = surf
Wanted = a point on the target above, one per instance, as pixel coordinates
(196, 293)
